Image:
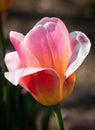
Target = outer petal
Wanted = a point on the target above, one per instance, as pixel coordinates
(81, 50)
(44, 20)
(43, 84)
(16, 39)
(53, 49)
(52, 20)
(25, 54)
(60, 46)
(12, 61)
(68, 86)
(14, 76)
(37, 41)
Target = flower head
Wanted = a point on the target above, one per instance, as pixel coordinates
(5, 5)
(46, 59)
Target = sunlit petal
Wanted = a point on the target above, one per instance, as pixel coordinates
(81, 50)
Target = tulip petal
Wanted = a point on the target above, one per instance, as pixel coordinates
(81, 50)
(68, 85)
(26, 56)
(45, 20)
(53, 49)
(12, 61)
(37, 41)
(16, 39)
(14, 76)
(60, 45)
(42, 83)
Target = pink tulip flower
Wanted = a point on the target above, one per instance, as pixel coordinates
(46, 59)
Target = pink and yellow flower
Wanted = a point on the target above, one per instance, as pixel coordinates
(5, 5)
(46, 59)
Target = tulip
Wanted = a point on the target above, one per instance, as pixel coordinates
(46, 60)
(5, 5)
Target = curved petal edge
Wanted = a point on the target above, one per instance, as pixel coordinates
(82, 47)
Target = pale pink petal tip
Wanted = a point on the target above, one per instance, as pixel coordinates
(16, 38)
(81, 50)
(10, 59)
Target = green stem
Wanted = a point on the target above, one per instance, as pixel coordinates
(2, 47)
(58, 117)
(2, 42)
(3, 82)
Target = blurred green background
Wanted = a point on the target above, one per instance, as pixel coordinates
(18, 110)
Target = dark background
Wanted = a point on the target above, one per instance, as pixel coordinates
(77, 15)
